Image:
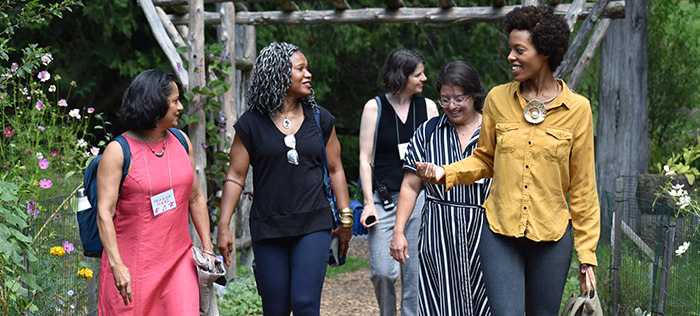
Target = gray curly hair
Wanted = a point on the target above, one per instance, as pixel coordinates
(272, 75)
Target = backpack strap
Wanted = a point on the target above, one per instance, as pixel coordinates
(430, 127)
(180, 137)
(327, 183)
(374, 146)
(127, 157)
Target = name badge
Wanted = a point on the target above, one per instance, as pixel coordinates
(163, 202)
(403, 150)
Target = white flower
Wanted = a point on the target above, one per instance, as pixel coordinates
(668, 170)
(44, 75)
(678, 186)
(86, 154)
(46, 59)
(683, 201)
(62, 102)
(682, 248)
(52, 88)
(95, 151)
(74, 113)
(39, 155)
(81, 143)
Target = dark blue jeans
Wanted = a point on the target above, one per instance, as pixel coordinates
(290, 272)
(523, 276)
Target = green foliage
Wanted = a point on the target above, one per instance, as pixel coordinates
(684, 163)
(673, 79)
(241, 296)
(16, 283)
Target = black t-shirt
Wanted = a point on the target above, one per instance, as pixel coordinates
(288, 200)
(387, 165)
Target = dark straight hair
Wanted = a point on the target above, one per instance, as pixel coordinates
(398, 66)
(145, 101)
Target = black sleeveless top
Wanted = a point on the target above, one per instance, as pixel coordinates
(387, 165)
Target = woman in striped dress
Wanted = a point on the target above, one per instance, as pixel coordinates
(450, 280)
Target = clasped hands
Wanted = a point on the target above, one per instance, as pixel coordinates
(430, 172)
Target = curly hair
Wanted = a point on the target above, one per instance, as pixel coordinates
(464, 75)
(145, 101)
(398, 66)
(272, 75)
(548, 32)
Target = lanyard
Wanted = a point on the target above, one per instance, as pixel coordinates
(167, 155)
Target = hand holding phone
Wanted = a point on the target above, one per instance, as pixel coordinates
(370, 221)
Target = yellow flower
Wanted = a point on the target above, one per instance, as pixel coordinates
(57, 251)
(85, 273)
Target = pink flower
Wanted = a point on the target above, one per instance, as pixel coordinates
(46, 59)
(39, 105)
(32, 209)
(53, 154)
(95, 151)
(14, 67)
(67, 246)
(43, 163)
(41, 128)
(8, 132)
(44, 75)
(45, 184)
(62, 102)
(90, 110)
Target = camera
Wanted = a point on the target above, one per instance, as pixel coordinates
(385, 196)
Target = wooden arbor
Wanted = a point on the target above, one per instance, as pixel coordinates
(186, 28)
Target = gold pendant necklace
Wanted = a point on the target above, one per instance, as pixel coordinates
(535, 110)
(160, 154)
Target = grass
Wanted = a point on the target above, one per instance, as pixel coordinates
(352, 264)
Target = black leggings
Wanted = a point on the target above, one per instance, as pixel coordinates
(522, 275)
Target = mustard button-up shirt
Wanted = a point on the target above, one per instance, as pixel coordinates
(534, 167)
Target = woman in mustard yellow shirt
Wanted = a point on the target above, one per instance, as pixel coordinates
(537, 143)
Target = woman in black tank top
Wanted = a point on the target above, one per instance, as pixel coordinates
(388, 123)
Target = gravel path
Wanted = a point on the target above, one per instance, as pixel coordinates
(352, 293)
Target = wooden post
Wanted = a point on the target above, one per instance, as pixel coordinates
(227, 37)
(666, 267)
(585, 60)
(161, 36)
(617, 244)
(196, 69)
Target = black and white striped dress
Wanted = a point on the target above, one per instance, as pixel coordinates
(451, 282)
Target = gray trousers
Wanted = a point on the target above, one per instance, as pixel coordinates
(385, 270)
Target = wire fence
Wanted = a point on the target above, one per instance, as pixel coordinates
(64, 292)
(640, 269)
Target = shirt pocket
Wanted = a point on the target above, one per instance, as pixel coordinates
(506, 137)
(557, 144)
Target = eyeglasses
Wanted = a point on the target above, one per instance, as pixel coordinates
(445, 102)
(292, 155)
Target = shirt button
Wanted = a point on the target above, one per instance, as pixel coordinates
(524, 207)
(526, 186)
(529, 143)
(527, 167)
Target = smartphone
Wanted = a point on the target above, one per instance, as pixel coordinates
(371, 220)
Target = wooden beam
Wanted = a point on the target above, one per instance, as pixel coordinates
(572, 54)
(614, 9)
(162, 38)
(587, 56)
(573, 13)
(170, 28)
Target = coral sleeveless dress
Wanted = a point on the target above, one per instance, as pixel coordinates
(156, 249)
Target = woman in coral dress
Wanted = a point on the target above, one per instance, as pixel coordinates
(147, 265)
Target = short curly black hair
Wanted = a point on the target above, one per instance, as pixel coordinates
(548, 32)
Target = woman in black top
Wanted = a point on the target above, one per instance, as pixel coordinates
(291, 220)
(403, 109)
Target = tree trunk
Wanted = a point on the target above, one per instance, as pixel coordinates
(621, 144)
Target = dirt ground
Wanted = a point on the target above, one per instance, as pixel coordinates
(352, 293)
